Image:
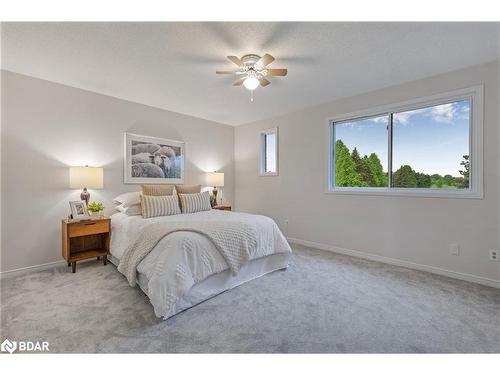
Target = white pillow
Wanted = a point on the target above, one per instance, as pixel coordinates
(133, 210)
(159, 205)
(120, 208)
(195, 202)
(129, 199)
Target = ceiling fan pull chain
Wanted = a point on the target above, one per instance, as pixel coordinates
(251, 95)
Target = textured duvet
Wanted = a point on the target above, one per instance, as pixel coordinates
(181, 259)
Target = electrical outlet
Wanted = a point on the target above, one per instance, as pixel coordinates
(286, 222)
(454, 249)
(495, 255)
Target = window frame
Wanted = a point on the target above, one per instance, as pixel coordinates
(262, 152)
(476, 189)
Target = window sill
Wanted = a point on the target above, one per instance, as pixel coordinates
(269, 174)
(424, 193)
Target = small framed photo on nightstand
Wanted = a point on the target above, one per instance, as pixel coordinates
(79, 210)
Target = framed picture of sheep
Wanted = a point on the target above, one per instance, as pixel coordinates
(153, 160)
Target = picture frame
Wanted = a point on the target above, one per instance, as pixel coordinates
(153, 160)
(79, 210)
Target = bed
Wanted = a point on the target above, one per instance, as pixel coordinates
(185, 268)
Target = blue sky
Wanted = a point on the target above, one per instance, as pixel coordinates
(431, 140)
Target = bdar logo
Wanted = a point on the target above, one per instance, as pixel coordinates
(8, 346)
(24, 346)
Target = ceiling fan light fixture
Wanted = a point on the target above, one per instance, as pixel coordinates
(251, 83)
(253, 71)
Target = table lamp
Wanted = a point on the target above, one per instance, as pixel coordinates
(86, 178)
(215, 179)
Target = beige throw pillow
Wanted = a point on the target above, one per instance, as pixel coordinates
(157, 190)
(187, 189)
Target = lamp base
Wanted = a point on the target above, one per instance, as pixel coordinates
(214, 192)
(85, 196)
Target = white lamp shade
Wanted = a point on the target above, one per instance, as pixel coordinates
(215, 179)
(85, 177)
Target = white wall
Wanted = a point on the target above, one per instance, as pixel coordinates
(411, 229)
(47, 127)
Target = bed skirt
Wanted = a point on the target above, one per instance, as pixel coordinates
(222, 281)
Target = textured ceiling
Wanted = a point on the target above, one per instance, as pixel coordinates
(172, 65)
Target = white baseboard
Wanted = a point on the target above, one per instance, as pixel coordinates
(398, 262)
(25, 270)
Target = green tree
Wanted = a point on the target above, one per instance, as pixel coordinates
(353, 170)
(363, 169)
(366, 172)
(459, 182)
(437, 181)
(345, 168)
(405, 177)
(423, 180)
(356, 158)
(465, 172)
(448, 180)
(377, 170)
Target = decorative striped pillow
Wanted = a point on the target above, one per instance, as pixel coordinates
(195, 202)
(164, 205)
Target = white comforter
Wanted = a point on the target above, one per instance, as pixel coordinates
(182, 259)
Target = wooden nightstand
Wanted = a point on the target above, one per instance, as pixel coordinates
(85, 239)
(222, 207)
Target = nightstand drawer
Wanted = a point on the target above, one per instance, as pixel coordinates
(86, 228)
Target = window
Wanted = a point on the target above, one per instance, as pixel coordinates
(269, 152)
(422, 148)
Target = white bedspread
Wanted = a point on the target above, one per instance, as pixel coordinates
(182, 259)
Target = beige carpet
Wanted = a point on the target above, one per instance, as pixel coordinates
(324, 303)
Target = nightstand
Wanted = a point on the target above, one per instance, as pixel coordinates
(85, 239)
(222, 208)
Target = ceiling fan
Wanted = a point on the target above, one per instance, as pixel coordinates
(253, 70)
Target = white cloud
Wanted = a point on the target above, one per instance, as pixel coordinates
(365, 123)
(444, 113)
(463, 112)
(403, 117)
(380, 119)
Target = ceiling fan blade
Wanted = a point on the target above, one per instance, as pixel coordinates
(277, 72)
(264, 82)
(236, 60)
(240, 81)
(265, 60)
